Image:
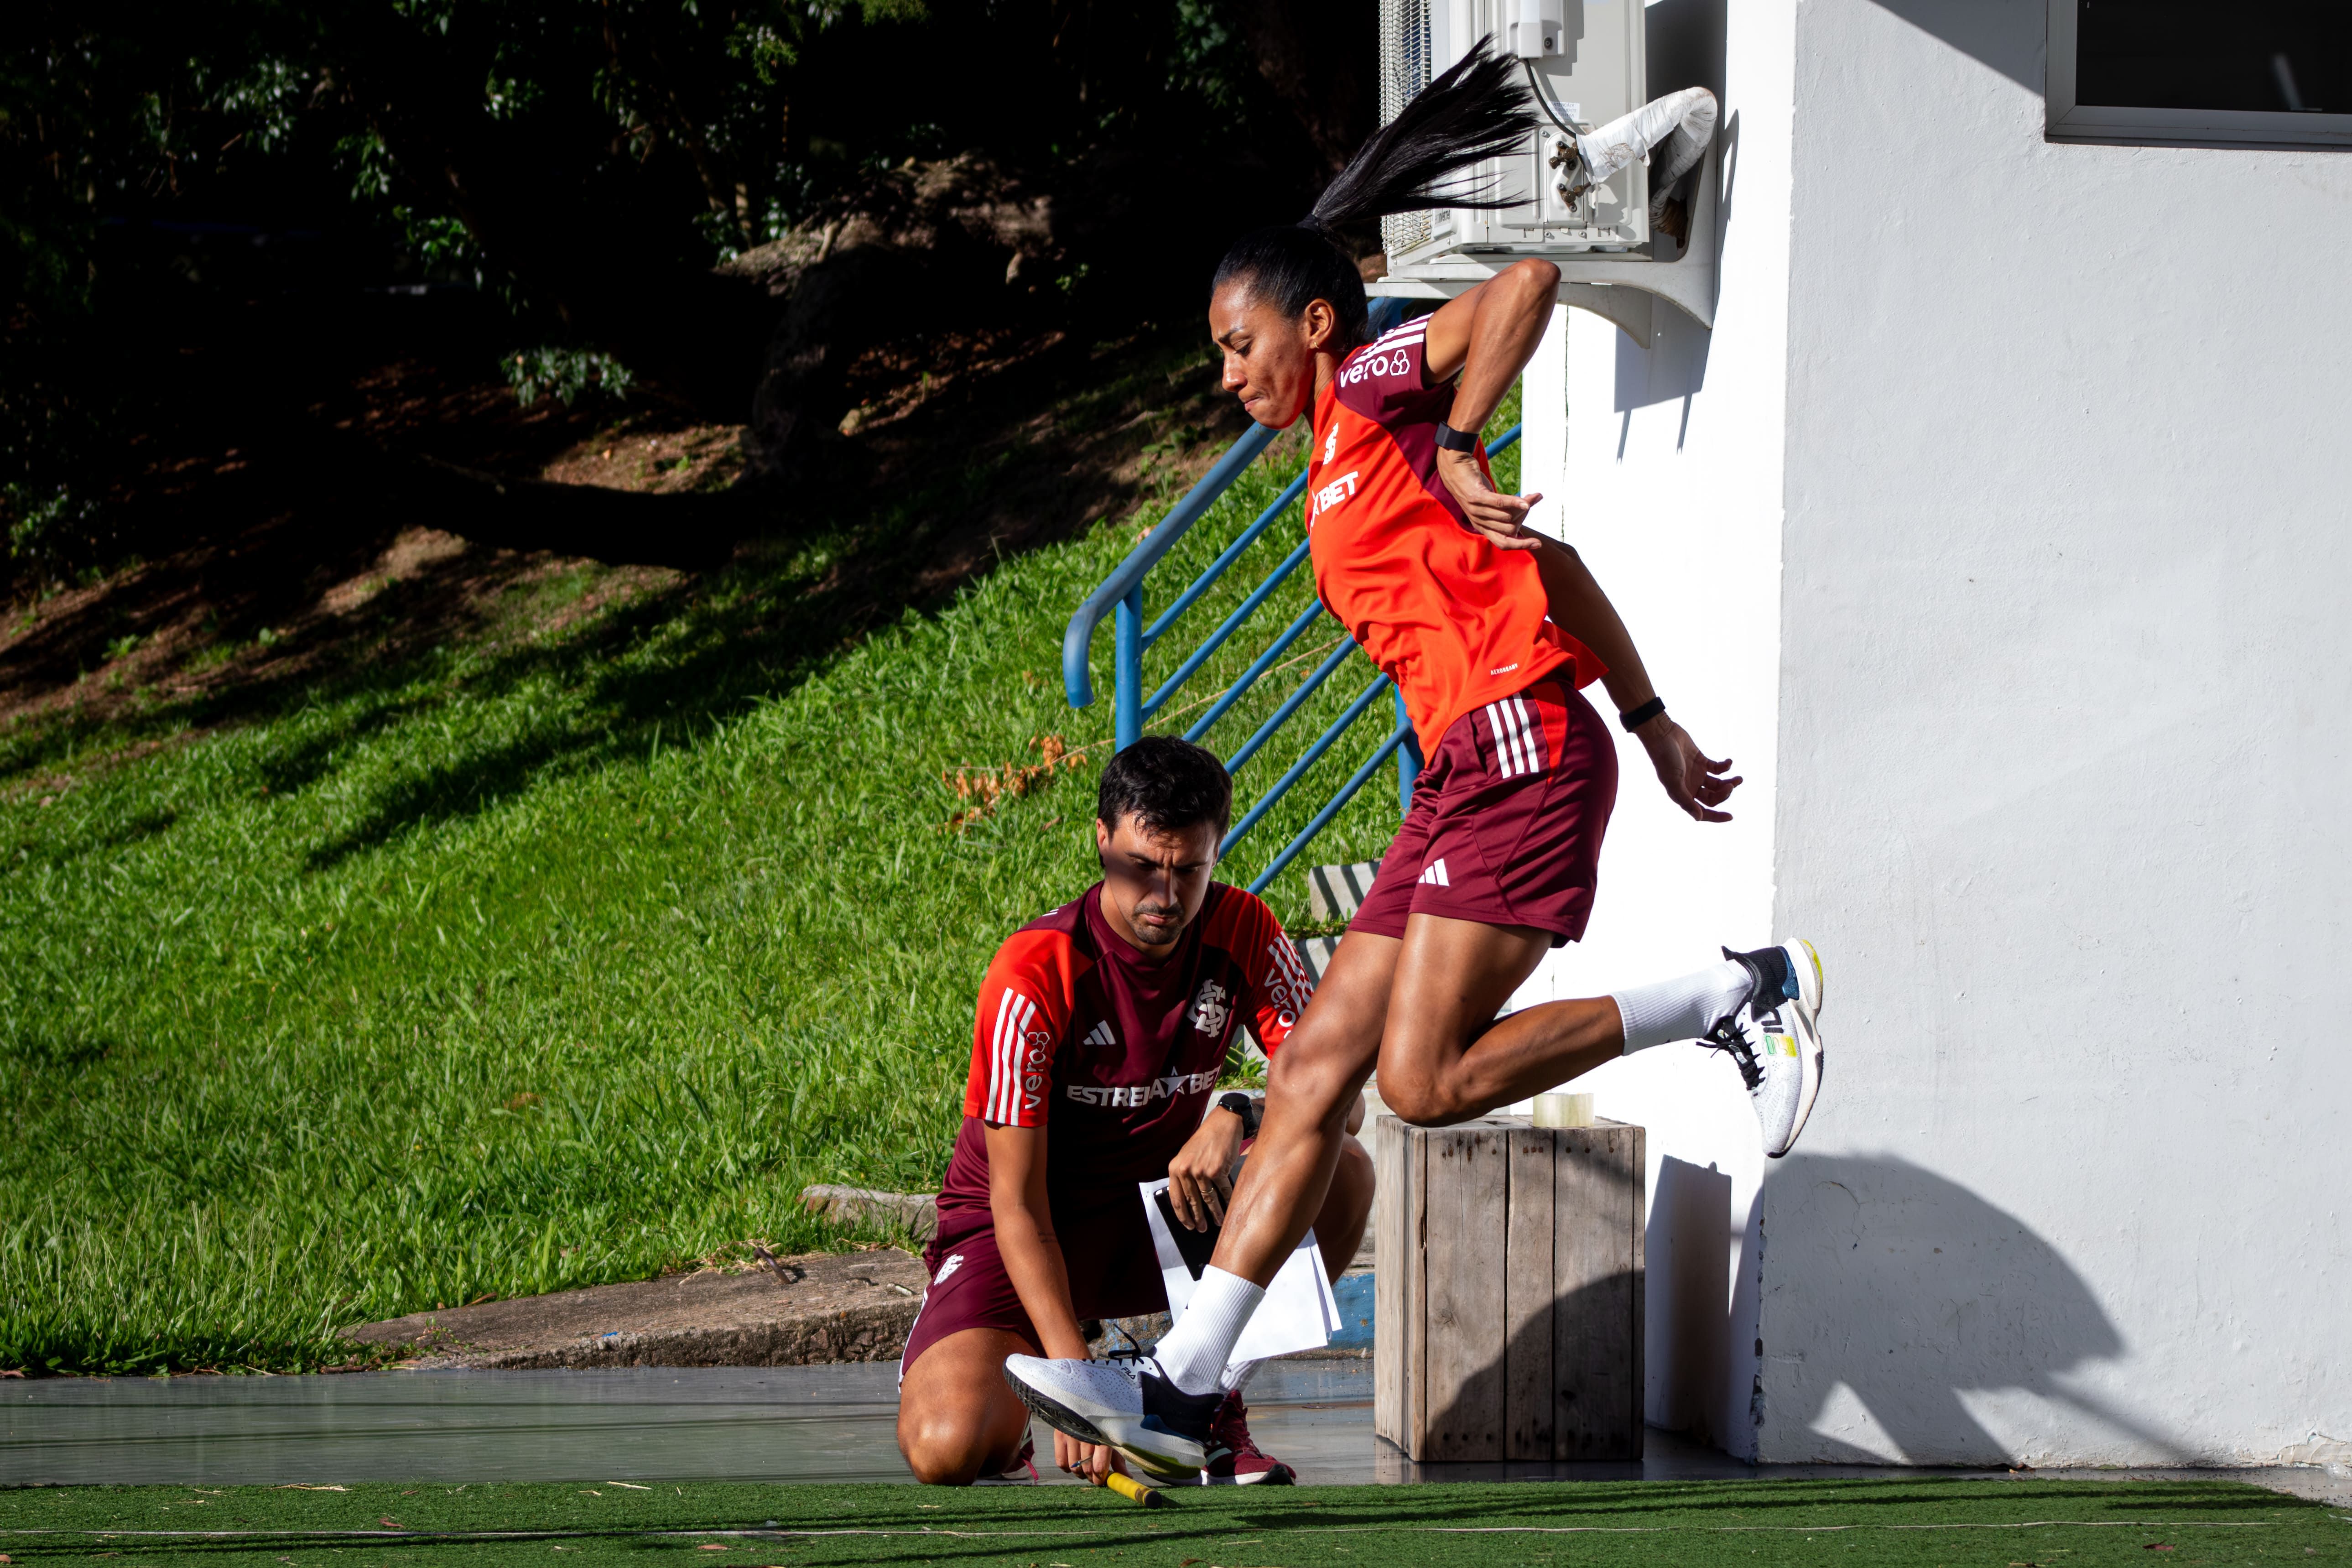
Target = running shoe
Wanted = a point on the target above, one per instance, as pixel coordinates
(1775, 1039)
(1161, 1430)
(1234, 1457)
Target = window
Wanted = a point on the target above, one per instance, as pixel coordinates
(2274, 71)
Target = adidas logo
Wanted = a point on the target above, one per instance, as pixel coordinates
(1435, 872)
(1101, 1035)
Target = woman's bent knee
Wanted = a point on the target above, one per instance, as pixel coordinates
(1422, 1101)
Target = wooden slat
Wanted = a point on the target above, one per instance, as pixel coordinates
(1394, 1318)
(1528, 1295)
(1462, 1402)
(1596, 1344)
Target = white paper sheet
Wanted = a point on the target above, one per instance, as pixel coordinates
(1298, 1314)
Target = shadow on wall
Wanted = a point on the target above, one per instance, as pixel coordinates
(1685, 46)
(2010, 35)
(1688, 1251)
(1891, 1291)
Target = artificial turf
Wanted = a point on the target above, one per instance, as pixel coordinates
(2016, 1523)
(568, 950)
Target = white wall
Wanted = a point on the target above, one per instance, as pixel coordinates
(1670, 486)
(2065, 705)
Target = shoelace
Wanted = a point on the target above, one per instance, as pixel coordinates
(1729, 1038)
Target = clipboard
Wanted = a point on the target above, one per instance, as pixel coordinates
(1297, 1313)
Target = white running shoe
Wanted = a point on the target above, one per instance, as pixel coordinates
(1161, 1430)
(1774, 1037)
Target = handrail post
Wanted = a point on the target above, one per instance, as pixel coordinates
(1127, 681)
(1408, 756)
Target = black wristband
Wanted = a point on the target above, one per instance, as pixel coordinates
(1246, 1107)
(1635, 718)
(1455, 440)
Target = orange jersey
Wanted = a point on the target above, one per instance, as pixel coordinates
(1453, 620)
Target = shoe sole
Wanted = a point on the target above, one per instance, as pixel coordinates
(1285, 1477)
(1065, 1420)
(1811, 986)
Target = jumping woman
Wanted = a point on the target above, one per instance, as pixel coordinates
(1491, 631)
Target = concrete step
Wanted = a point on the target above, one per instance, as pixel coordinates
(1336, 892)
(1315, 953)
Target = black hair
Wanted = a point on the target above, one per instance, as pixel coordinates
(1167, 785)
(1476, 110)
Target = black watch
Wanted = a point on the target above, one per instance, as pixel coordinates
(1455, 440)
(1247, 1107)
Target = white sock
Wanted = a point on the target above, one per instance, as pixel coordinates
(1195, 1350)
(1238, 1373)
(1680, 1009)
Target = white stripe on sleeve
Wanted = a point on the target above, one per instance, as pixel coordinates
(998, 1054)
(1019, 1063)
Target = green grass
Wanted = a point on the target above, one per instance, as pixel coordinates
(1658, 1524)
(534, 961)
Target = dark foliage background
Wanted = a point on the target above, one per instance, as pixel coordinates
(194, 198)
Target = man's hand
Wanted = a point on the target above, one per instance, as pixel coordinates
(1198, 1182)
(1092, 1460)
(1693, 780)
(1501, 518)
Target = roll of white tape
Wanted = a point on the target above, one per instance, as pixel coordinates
(1559, 1110)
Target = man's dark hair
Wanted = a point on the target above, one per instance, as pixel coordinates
(1167, 785)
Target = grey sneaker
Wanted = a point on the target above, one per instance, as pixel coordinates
(1774, 1038)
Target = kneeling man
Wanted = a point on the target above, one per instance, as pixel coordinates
(1102, 1030)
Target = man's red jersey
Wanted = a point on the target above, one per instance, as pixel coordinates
(1454, 621)
(1116, 1057)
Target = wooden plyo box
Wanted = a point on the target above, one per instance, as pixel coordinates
(1509, 1290)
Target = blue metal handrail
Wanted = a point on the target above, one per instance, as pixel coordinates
(1120, 596)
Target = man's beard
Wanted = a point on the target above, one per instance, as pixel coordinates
(1148, 919)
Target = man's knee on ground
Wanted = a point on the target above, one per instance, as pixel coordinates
(945, 1448)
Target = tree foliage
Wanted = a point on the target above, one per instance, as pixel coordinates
(587, 160)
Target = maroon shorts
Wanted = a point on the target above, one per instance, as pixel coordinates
(1114, 1273)
(1505, 823)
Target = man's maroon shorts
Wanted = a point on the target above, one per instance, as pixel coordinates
(1505, 823)
(1114, 1273)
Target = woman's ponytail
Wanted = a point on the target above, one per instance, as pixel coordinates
(1476, 110)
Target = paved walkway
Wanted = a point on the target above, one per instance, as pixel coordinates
(650, 1425)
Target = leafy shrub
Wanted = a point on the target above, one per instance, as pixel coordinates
(566, 374)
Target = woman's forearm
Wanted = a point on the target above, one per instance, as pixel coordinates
(1507, 322)
(1581, 609)
(1032, 1259)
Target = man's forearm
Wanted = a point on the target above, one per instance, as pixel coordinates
(1581, 609)
(1032, 1259)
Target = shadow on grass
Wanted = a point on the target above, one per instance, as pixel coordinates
(897, 522)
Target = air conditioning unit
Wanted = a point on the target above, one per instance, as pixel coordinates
(1584, 64)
